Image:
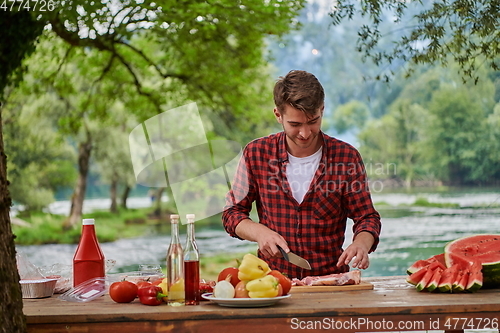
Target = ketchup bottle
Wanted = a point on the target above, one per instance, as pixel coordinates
(88, 261)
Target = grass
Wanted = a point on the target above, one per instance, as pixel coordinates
(46, 228)
(212, 265)
(423, 202)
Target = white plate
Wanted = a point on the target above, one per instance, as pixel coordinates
(244, 302)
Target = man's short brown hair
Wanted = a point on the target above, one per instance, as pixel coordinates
(301, 90)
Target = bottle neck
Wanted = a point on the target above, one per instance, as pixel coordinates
(191, 249)
(174, 233)
(190, 232)
(88, 230)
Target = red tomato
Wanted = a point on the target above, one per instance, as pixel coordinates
(284, 281)
(123, 291)
(233, 271)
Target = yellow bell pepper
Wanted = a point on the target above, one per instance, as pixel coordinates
(264, 287)
(252, 268)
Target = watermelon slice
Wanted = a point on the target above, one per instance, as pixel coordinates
(461, 282)
(428, 278)
(475, 281)
(436, 277)
(447, 278)
(484, 249)
(419, 264)
(417, 276)
(424, 281)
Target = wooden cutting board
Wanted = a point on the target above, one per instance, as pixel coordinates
(318, 289)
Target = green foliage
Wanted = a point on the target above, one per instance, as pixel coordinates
(44, 229)
(350, 116)
(211, 52)
(440, 32)
(19, 33)
(39, 161)
(456, 122)
(423, 202)
(48, 228)
(437, 129)
(96, 71)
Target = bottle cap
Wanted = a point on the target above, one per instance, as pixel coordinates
(88, 222)
(174, 218)
(190, 218)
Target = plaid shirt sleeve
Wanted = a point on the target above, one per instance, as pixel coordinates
(240, 198)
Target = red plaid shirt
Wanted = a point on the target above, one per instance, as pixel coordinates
(315, 228)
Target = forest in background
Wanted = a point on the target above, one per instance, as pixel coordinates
(427, 129)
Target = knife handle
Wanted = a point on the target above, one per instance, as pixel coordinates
(283, 253)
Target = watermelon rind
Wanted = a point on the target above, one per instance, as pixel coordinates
(475, 281)
(491, 275)
(422, 284)
(415, 278)
(434, 281)
(461, 282)
(417, 265)
(447, 278)
(473, 284)
(471, 248)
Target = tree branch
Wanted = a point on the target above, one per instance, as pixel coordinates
(152, 63)
(137, 82)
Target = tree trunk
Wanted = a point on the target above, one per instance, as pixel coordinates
(112, 193)
(84, 150)
(157, 202)
(125, 194)
(11, 305)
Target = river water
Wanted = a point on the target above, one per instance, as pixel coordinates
(409, 233)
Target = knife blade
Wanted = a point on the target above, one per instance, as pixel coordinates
(294, 259)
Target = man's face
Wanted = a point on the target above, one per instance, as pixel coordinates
(302, 133)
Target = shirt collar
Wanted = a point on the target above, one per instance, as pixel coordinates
(283, 154)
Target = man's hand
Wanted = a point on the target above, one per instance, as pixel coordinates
(265, 237)
(358, 250)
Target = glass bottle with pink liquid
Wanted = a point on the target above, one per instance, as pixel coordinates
(191, 264)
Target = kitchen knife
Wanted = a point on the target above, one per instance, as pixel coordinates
(294, 259)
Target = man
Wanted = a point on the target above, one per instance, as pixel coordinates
(305, 185)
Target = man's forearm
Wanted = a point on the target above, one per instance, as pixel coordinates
(248, 229)
(364, 239)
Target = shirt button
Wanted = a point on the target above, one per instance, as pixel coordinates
(298, 209)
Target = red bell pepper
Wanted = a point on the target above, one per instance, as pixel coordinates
(151, 295)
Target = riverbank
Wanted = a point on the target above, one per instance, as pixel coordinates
(41, 229)
(46, 228)
(414, 226)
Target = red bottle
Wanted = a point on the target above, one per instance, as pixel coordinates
(88, 261)
(191, 265)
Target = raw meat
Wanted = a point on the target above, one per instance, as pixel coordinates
(352, 277)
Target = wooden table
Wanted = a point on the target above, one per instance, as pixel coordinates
(393, 305)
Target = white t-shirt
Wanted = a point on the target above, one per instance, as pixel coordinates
(300, 172)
